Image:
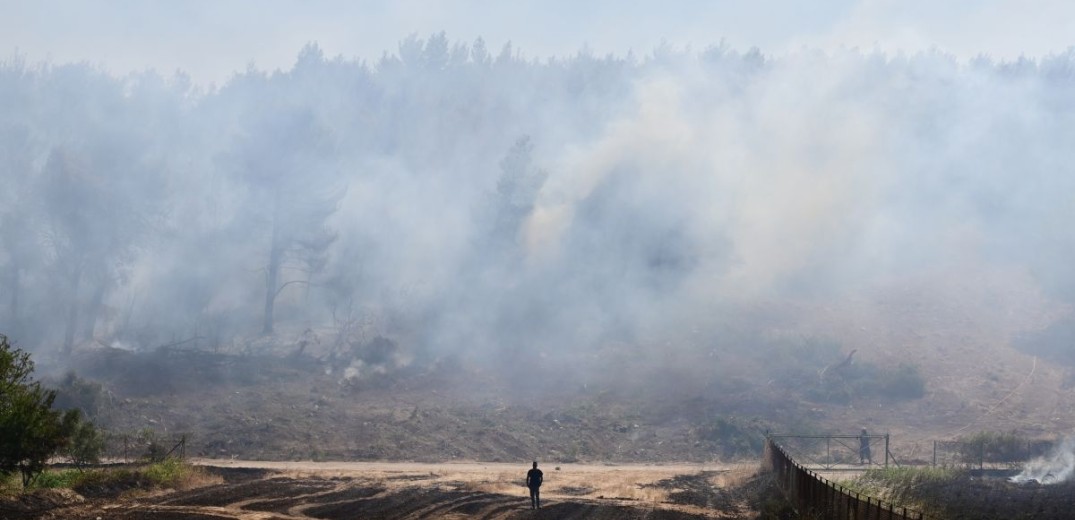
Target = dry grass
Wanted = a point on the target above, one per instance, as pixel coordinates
(624, 482)
(198, 477)
(736, 475)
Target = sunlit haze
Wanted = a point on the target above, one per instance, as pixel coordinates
(210, 40)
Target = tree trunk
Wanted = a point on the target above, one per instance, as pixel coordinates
(271, 279)
(272, 275)
(89, 321)
(72, 311)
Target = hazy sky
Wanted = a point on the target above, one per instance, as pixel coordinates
(209, 39)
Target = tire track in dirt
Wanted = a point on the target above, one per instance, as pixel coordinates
(292, 505)
(346, 493)
(396, 495)
(474, 504)
(225, 494)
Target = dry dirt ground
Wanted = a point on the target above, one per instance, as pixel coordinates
(304, 490)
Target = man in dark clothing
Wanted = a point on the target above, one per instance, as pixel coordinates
(864, 448)
(533, 481)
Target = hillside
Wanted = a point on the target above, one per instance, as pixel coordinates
(701, 398)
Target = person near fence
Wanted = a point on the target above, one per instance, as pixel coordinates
(864, 448)
(534, 478)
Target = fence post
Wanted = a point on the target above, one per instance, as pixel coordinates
(886, 450)
(815, 496)
(934, 454)
(833, 507)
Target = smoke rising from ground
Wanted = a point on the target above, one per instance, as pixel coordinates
(1055, 468)
(464, 200)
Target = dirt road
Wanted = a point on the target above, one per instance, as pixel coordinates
(252, 490)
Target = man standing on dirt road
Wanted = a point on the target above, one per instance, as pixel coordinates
(533, 481)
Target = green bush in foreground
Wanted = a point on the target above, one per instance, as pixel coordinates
(66, 478)
(169, 473)
(31, 431)
(85, 446)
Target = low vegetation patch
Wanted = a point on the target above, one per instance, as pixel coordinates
(829, 372)
(953, 493)
(171, 473)
(732, 437)
(112, 482)
(1005, 448)
(59, 478)
(905, 487)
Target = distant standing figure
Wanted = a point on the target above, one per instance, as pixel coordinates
(533, 481)
(864, 448)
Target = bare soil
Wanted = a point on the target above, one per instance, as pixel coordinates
(292, 491)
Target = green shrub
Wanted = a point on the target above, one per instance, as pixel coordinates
(169, 472)
(86, 445)
(67, 478)
(155, 448)
(31, 431)
(112, 482)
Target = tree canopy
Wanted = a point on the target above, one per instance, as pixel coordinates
(31, 431)
(471, 198)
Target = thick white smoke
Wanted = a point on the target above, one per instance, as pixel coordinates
(1054, 468)
(470, 202)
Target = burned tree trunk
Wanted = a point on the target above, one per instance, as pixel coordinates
(272, 273)
(72, 310)
(93, 310)
(271, 279)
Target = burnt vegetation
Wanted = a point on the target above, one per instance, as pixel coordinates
(451, 253)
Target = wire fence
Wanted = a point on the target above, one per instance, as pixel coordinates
(144, 446)
(985, 451)
(831, 453)
(816, 497)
